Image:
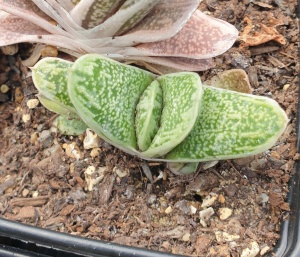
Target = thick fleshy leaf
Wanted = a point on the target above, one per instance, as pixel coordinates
(26, 10)
(182, 94)
(16, 30)
(231, 125)
(50, 77)
(56, 107)
(202, 37)
(180, 168)
(148, 115)
(105, 94)
(90, 13)
(62, 17)
(127, 14)
(165, 20)
(69, 126)
(175, 63)
(68, 5)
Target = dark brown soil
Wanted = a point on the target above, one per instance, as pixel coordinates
(43, 183)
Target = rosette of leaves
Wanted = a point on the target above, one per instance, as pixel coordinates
(171, 34)
(172, 118)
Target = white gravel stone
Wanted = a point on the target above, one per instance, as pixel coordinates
(225, 213)
(252, 251)
(32, 103)
(209, 200)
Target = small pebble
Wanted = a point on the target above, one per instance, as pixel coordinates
(4, 88)
(205, 216)
(186, 237)
(225, 213)
(34, 137)
(168, 210)
(152, 199)
(221, 198)
(25, 192)
(26, 118)
(73, 151)
(120, 173)
(45, 138)
(264, 250)
(91, 140)
(264, 198)
(35, 194)
(32, 103)
(193, 209)
(95, 152)
(225, 237)
(230, 190)
(165, 245)
(209, 200)
(252, 251)
(286, 86)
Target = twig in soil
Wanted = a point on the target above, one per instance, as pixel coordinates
(234, 168)
(217, 174)
(263, 50)
(290, 56)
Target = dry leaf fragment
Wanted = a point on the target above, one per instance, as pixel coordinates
(251, 37)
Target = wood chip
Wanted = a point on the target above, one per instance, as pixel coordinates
(37, 201)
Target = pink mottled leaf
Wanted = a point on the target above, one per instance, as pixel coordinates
(28, 11)
(163, 22)
(68, 5)
(176, 63)
(201, 37)
(15, 30)
(62, 17)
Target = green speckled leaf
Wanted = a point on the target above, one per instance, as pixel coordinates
(148, 114)
(231, 125)
(50, 77)
(54, 106)
(105, 94)
(69, 126)
(182, 94)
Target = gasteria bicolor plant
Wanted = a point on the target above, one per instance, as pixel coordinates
(172, 118)
(161, 32)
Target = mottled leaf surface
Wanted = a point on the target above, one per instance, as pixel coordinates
(148, 115)
(182, 94)
(90, 13)
(105, 94)
(202, 37)
(28, 11)
(16, 30)
(231, 125)
(127, 15)
(50, 77)
(175, 63)
(164, 21)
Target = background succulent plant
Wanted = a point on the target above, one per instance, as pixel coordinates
(169, 33)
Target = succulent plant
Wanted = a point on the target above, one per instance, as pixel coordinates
(164, 33)
(172, 118)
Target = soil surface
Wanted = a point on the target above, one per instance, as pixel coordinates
(51, 181)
